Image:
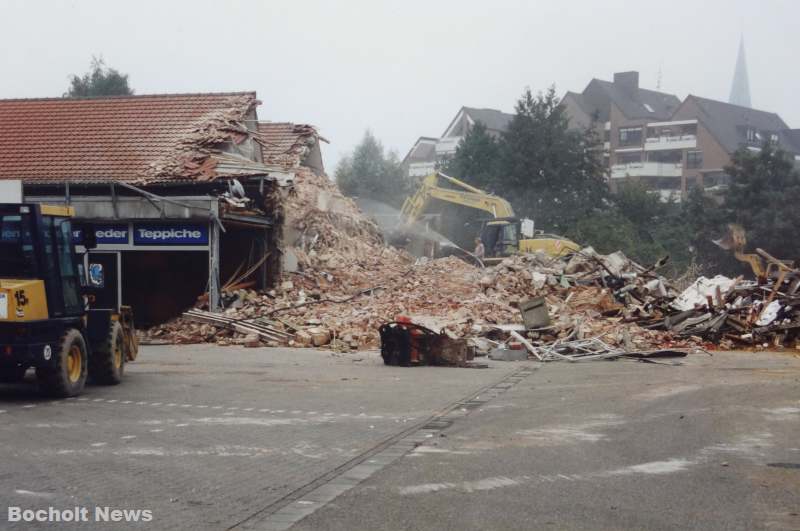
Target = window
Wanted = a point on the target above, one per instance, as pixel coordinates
(630, 136)
(694, 159)
(66, 265)
(711, 180)
(751, 135)
(673, 156)
(16, 247)
(629, 157)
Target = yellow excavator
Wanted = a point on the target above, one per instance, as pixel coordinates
(503, 235)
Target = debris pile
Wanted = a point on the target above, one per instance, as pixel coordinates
(344, 283)
(348, 283)
(736, 312)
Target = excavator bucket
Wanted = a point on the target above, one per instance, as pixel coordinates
(734, 238)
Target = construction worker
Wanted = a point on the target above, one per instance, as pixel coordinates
(480, 251)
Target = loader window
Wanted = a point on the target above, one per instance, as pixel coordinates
(17, 259)
(67, 268)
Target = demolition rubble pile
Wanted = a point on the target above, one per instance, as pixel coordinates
(347, 283)
(735, 313)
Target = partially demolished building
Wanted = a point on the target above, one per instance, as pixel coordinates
(181, 191)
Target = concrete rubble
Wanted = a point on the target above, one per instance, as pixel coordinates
(347, 282)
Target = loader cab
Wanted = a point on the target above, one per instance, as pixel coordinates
(36, 244)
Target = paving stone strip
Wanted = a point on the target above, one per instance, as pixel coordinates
(284, 513)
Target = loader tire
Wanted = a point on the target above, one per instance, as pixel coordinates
(68, 376)
(107, 364)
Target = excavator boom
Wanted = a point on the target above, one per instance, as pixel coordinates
(469, 196)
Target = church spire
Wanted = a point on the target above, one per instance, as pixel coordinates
(740, 89)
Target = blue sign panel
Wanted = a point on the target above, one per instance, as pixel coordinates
(111, 233)
(106, 233)
(161, 234)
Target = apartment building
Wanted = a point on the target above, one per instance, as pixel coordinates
(428, 153)
(694, 146)
(669, 145)
(609, 106)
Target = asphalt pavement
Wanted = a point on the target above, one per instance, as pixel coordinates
(711, 444)
(206, 437)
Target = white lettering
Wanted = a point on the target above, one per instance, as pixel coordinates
(107, 514)
(111, 233)
(170, 234)
(14, 514)
(101, 514)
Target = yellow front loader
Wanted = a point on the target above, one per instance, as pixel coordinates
(46, 317)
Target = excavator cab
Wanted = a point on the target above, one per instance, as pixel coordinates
(46, 317)
(500, 237)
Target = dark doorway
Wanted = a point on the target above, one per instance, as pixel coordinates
(160, 285)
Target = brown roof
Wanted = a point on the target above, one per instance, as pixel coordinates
(285, 143)
(152, 138)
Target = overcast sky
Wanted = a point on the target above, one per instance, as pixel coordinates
(401, 68)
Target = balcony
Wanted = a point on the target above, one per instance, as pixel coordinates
(646, 169)
(670, 142)
(421, 169)
(447, 145)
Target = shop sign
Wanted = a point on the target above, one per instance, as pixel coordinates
(106, 233)
(163, 234)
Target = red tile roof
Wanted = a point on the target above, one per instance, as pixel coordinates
(286, 143)
(125, 138)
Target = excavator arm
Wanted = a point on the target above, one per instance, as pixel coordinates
(466, 195)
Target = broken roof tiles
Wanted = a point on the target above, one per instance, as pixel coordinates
(137, 139)
(285, 143)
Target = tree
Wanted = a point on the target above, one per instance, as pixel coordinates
(99, 81)
(762, 197)
(549, 171)
(705, 220)
(477, 159)
(370, 172)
